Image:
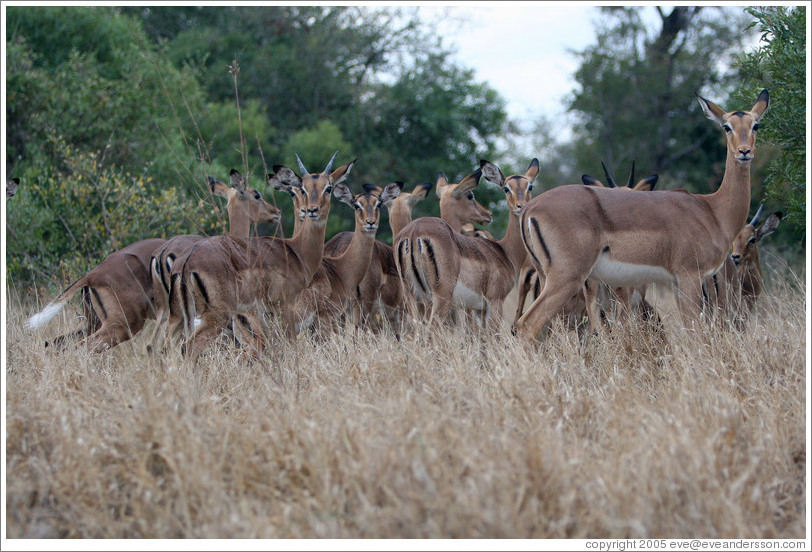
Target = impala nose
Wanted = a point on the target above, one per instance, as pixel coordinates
(736, 259)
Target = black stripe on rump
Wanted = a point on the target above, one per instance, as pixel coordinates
(200, 286)
(433, 258)
(99, 301)
(415, 271)
(536, 228)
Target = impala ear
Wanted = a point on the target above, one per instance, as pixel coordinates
(287, 176)
(340, 174)
(761, 105)
(769, 225)
(532, 170)
(647, 184)
(711, 110)
(492, 173)
(11, 187)
(237, 181)
(467, 184)
(591, 181)
(390, 192)
(342, 193)
(442, 182)
(218, 188)
(274, 182)
(421, 191)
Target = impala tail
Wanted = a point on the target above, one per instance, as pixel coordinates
(53, 308)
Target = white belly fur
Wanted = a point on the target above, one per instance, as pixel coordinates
(618, 274)
(466, 298)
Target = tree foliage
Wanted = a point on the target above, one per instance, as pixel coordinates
(779, 64)
(635, 99)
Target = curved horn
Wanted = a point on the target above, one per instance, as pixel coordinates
(609, 180)
(755, 217)
(329, 166)
(631, 178)
(301, 165)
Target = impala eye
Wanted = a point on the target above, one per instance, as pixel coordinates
(507, 190)
(357, 206)
(529, 187)
(727, 128)
(751, 241)
(257, 195)
(755, 127)
(471, 196)
(328, 189)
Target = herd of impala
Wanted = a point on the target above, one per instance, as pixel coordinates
(581, 251)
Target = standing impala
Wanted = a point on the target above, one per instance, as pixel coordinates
(447, 268)
(379, 292)
(531, 280)
(335, 283)
(224, 279)
(244, 207)
(623, 238)
(118, 294)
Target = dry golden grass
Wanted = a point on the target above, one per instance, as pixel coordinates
(441, 436)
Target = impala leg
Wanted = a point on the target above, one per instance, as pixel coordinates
(211, 325)
(556, 294)
(523, 287)
(689, 295)
(593, 309)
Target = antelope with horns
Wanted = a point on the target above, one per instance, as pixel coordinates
(378, 295)
(244, 206)
(735, 290)
(443, 266)
(334, 285)
(224, 279)
(576, 234)
(118, 295)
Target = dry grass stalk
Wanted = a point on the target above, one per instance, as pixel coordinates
(444, 435)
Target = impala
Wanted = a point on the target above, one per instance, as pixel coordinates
(244, 207)
(11, 187)
(443, 266)
(335, 283)
(223, 279)
(530, 279)
(118, 295)
(576, 234)
(379, 292)
(742, 280)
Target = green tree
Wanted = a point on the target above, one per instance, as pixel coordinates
(779, 64)
(636, 93)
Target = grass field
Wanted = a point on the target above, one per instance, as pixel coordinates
(444, 435)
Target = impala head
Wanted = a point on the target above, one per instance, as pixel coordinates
(368, 204)
(745, 244)
(457, 201)
(294, 191)
(645, 185)
(739, 126)
(518, 188)
(470, 230)
(315, 188)
(11, 187)
(244, 202)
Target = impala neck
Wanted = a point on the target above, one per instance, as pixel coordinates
(354, 262)
(308, 244)
(238, 227)
(731, 202)
(512, 243)
(399, 217)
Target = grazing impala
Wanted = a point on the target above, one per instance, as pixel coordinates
(447, 268)
(379, 292)
(244, 207)
(118, 295)
(223, 279)
(334, 285)
(576, 234)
